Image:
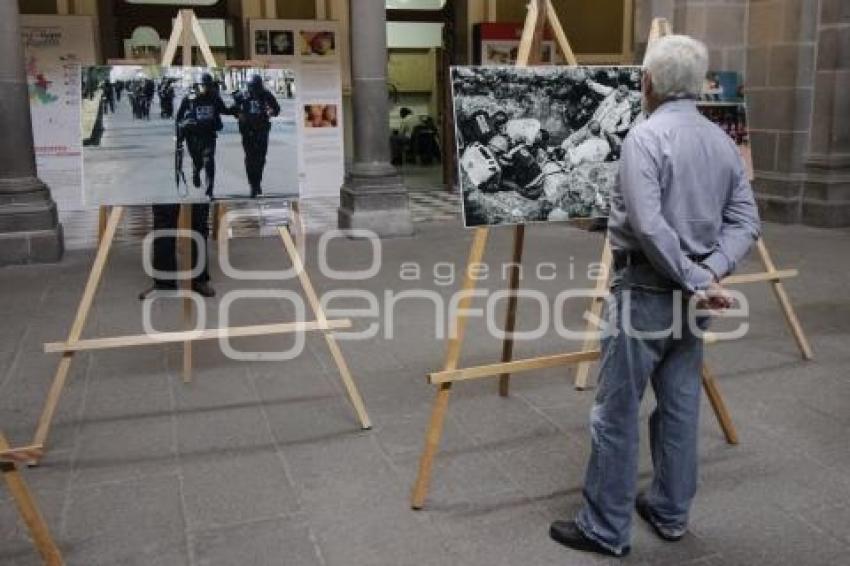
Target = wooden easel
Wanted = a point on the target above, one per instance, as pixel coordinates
(33, 452)
(539, 13)
(28, 510)
(660, 28)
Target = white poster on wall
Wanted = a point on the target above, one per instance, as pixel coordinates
(54, 49)
(310, 48)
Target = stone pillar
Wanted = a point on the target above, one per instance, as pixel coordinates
(373, 196)
(826, 191)
(780, 77)
(29, 228)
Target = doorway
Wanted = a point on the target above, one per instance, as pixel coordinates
(417, 71)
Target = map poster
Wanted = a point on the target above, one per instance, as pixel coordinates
(54, 49)
(311, 49)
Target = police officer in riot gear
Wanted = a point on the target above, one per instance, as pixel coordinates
(254, 108)
(198, 122)
(166, 99)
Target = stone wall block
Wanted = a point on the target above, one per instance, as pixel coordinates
(791, 65)
(757, 66)
(766, 23)
(834, 49)
(763, 147)
(791, 151)
(800, 21)
(835, 11)
(725, 25)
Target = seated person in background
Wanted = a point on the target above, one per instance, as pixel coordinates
(405, 129)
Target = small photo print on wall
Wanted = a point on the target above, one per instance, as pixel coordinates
(320, 116)
(282, 42)
(318, 43)
(261, 42)
(541, 143)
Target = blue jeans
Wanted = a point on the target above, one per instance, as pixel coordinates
(667, 352)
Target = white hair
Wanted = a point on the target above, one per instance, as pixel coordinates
(677, 65)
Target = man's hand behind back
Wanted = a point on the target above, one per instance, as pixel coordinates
(715, 298)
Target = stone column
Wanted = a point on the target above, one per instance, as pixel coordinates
(373, 196)
(826, 191)
(780, 77)
(29, 229)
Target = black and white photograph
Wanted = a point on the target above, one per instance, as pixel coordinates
(542, 143)
(190, 134)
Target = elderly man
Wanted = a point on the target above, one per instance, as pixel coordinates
(681, 218)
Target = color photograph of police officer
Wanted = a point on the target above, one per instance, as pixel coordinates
(194, 135)
(541, 143)
(255, 106)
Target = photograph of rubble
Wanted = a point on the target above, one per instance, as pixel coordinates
(541, 144)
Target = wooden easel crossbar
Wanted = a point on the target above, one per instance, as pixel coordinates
(32, 453)
(28, 510)
(540, 12)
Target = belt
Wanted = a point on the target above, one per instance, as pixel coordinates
(626, 258)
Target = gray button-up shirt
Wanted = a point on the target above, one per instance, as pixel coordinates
(683, 192)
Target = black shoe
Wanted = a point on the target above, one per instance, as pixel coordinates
(256, 191)
(568, 534)
(203, 288)
(645, 513)
(196, 178)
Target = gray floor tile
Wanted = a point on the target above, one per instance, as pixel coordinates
(133, 522)
(230, 487)
(285, 541)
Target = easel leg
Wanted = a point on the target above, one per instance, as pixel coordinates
(348, 381)
(785, 303)
(185, 225)
(219, 211)
(709, 383)
(438, 413)
(83, 309)
(590, 342)
(318, 311)
(29, 511)
(102, 219)
(510, 320)
(432, 444)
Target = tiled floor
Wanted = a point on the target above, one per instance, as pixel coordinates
(263, 463)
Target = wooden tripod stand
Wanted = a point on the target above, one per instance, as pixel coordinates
(74, 343)
(539, 13)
